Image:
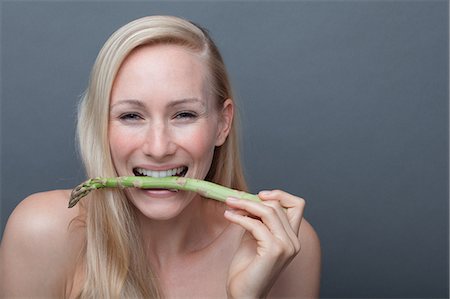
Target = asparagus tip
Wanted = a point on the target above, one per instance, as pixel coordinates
(79, 192)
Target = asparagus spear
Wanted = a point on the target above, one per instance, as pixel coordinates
(204, 188)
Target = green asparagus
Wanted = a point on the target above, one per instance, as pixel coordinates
(204, 188)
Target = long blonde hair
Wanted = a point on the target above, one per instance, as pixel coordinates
(114, 260)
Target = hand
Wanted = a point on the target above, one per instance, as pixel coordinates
(270, 242)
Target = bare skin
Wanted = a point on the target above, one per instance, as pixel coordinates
(39, 251)
(161, 102)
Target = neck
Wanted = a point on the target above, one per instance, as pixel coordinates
(194, 229)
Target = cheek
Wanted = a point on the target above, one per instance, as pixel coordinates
(121, 142)
(199, 141)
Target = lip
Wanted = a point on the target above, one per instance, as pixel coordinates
(159, 193)
(159, 168)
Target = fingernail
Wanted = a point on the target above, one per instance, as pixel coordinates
(230, 212)
(264, 192)
(232, 199)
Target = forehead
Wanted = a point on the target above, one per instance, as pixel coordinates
(162, 64)
(159, 52)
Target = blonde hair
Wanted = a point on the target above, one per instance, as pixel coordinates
(114, 259)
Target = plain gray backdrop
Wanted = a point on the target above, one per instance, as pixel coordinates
(344, 103)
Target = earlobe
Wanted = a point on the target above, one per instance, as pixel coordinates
(226, 120)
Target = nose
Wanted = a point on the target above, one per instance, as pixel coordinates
(158, 142)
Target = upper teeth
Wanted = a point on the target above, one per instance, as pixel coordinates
(160, 174)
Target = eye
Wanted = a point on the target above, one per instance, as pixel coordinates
(131, 116)
(186, 115)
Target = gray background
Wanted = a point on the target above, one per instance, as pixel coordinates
(343, 102)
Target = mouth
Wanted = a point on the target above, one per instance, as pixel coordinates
(179, 171)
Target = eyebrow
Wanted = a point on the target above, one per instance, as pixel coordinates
(132, 102)
(140, 104)
(186, 101)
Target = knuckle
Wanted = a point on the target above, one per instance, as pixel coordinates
(269, 211)
(289, 250)
(256, 224)
(273, 204)
(297, 246)
(280, 248)
(250, 219)
(301, 201)
(277, 192)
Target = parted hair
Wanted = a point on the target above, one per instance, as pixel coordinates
(114, 261)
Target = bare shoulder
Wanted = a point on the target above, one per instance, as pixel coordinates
(43, 216)
(38, 246)
(301, 278)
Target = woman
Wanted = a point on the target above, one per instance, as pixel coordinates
(159, 103)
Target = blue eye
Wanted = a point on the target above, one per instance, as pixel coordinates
(130, 116)
(186, 115)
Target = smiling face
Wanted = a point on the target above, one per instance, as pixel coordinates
(164, 121)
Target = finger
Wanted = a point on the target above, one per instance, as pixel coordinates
(258, 230)
(281, 212)
(294, 206)
(267, 214)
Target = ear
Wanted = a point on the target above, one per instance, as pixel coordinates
(225, 121)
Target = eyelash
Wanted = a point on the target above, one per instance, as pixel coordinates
(130, 116)
(186, 115)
